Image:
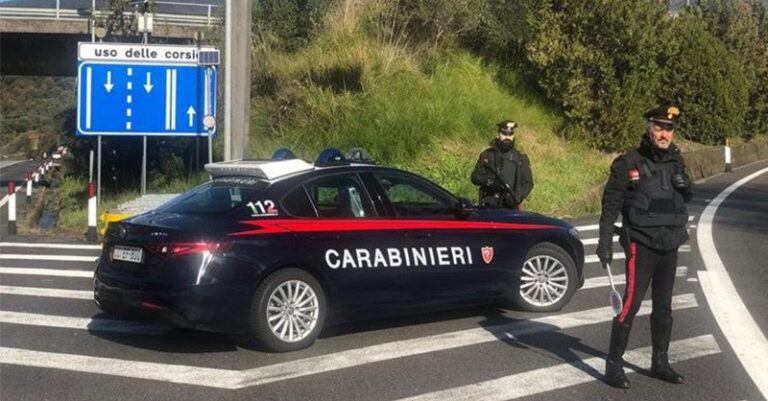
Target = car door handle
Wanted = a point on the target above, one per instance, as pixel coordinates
(417, 235)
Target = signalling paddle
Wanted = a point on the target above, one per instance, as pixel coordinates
(615, 297)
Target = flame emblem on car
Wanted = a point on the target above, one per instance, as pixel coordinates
(487, 252)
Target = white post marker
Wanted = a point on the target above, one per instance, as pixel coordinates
(728, 167)
(11, 208)
(29, 186)
(92, 213)
(37, 177)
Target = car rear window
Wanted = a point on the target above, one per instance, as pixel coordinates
(218, 196)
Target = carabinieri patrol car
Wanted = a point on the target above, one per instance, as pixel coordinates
(275, 248)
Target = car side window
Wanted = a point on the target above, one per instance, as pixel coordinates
(297, 203)
(411, 198)
(339, 196)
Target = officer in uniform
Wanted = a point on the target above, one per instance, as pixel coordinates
(502, 173)
(650, 188)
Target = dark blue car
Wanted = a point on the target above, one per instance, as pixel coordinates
(277, 248)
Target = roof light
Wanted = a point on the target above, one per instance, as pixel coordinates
(329, 157)
(263, 169)
(283, 154)
(360, 155)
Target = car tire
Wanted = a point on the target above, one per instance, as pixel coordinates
(288, 311)
(548, 279)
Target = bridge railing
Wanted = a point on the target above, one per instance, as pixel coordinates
(204, 14)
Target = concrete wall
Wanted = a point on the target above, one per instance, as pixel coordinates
(706, 163)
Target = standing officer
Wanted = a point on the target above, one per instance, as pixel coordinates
(650, 188)
(502, 173)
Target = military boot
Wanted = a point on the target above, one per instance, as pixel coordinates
(661, 331)
(614, 373)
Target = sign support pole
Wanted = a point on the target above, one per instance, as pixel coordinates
(144, 165)
(98, 175)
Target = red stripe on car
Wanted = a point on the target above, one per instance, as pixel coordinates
(271, 226)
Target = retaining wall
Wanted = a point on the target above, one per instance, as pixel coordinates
(708, 162)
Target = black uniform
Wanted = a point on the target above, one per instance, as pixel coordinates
(650, 188)
(500, 166)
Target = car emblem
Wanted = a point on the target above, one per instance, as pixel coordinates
(487, 252)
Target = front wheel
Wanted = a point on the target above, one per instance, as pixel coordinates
(547, 280)
(288, 310)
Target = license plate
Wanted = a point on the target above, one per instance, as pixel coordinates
(127, 253)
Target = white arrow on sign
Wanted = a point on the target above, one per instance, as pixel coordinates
(191, 113)
(108, 86)
(148, 86)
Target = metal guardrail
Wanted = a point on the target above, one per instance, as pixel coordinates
(65, 14)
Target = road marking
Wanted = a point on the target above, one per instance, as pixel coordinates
(620, 279)
(620, 256)
(129, 99)
(28, 271)
(69, 258)
(128, 112)
(733, 317)
(564, 375)
(168, 99)
(130, 71)
(88, 82)
(129, 85)
(127, 125)
(593, 241)
(590, 227)
(229, 379)
(173, 99)
(48, 246)
(45, 292)
(84, 323)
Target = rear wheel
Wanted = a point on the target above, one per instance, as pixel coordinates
(288, 310)
(547, 280)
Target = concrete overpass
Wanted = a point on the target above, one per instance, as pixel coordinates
(39, 37)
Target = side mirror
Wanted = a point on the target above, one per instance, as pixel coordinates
(464, 208)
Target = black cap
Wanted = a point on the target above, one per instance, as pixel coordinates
(507, 126)
(665, 113)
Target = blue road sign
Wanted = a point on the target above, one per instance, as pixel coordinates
(128, 99)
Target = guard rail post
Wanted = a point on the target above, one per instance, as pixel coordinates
(29, 187)
(92, 213)
(11, 208)
(727, 150)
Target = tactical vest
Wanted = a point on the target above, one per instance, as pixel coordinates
(655, 202)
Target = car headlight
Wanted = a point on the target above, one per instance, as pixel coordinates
(573, 231)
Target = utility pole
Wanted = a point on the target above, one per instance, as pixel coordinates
(237, 79)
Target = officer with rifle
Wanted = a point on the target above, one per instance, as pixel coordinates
(503, 173)
(650, 188)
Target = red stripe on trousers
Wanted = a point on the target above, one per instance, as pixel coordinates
(630, 281)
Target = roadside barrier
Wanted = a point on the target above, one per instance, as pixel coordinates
(92, 237)
(11, 208)
(29, 187)
(727, 150)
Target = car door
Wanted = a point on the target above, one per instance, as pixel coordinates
(455, 268)
(348, 242)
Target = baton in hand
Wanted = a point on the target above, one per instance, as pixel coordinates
(615, 298)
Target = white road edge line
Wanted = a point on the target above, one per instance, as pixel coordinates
(744, 335)
(47, 246)
(68, 258)
(45, 292)
(563, 375)
(229, 379)
(32, 271)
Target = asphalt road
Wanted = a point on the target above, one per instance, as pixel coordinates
(55, 345)
(15, 171)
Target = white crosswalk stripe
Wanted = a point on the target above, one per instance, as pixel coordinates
(30, 271)
(45, 292)
(57, 258)
(620, 279)
(48, 246)
(564, 375)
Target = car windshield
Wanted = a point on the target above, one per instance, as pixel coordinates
(218, 196)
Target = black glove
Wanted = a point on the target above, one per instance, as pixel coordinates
(511, 200)
(680, 182)
(604, 253)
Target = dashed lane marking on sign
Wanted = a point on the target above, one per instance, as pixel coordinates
(221, 378)
(564, 375)
(48, 246)
(747, 340)
(65, 258)
(32, 271)
(45, 292)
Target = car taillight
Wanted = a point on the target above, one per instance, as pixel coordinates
(186, 248)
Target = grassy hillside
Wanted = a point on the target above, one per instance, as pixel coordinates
(427, 112)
